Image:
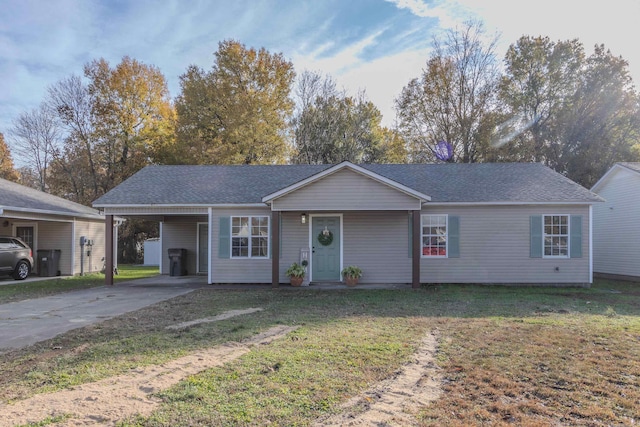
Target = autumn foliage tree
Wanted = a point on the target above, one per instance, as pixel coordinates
(7, 170)
(236, 113)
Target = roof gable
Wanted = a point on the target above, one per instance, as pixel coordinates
(633, 167)
(344, 166)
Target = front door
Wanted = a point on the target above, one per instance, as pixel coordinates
(325, 241)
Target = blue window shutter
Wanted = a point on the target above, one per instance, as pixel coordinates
(224, 238)
(535, 235)
(410, 236)
(575, 239)
(454, 237)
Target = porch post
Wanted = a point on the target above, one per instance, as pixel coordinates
(108, 250)
(275, 249)
(415, 250)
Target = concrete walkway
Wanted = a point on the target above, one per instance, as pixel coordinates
(27, 322)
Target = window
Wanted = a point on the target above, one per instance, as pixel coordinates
(249, 236)
(434, 235)
(556, 236)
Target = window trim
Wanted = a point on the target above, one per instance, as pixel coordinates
(422, 235)
(231, 237)
(568, 236)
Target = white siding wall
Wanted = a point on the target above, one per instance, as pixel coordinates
(616, 231)
(55, 235)
(494, 248)
(346, 190)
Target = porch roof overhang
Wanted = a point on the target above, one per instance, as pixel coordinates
(46, 214)
(416, 198)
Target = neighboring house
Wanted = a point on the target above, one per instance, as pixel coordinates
(402, 223)
(616, 233)
(50, 223)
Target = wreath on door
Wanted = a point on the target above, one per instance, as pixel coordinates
(325, 238)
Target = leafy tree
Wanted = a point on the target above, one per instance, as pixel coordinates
(236, 113)
(540, 78)
(603, 124)
(452, 97)
(576, 114)
(132, 116)
(330, 127)
(7, 171)
(76, 172)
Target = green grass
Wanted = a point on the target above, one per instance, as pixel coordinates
(17, 290)
(509, 355)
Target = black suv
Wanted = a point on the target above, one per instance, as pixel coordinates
(16, 257)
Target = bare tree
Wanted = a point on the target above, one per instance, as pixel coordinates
(35, 135)
(452, 98)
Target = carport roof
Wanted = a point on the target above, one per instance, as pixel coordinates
(16, 197)
(479, 183)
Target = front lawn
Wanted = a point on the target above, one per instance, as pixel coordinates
(16, 290)
(508, 355)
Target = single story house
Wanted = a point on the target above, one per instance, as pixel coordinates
(401, 223)
(50, 223)
(616, 234)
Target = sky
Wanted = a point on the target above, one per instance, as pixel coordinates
(372, 45)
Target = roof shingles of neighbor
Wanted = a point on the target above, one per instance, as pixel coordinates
(446, 183)
(18, 196)
(635, 166)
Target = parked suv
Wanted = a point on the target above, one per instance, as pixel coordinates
(16, 257)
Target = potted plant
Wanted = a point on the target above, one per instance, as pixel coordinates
(351, 275)
(296, 274)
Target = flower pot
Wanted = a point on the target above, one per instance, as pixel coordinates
(351, 281)
(296, 280)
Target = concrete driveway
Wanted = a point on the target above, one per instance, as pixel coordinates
(28, 322)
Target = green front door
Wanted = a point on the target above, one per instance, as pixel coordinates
(325, 239)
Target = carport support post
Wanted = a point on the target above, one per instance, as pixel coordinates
(275, 249)
(415, 249)
(108, 252)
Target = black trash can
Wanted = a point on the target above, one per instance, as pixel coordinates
(48, 262)
(177, 262)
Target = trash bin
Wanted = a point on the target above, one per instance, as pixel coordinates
(48, 262)
(177, 262)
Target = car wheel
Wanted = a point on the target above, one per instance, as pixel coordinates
(22, 270)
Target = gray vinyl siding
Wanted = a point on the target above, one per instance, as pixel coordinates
(295, 236)
(346, 190)
(180, 232)
(616, 234)
(494, 248)
(378, 242)
(238, 270)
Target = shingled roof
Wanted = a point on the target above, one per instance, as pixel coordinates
(25, 199)
(444, 183)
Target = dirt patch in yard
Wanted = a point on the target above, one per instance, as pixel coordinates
(107, 401)
(397, 400)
